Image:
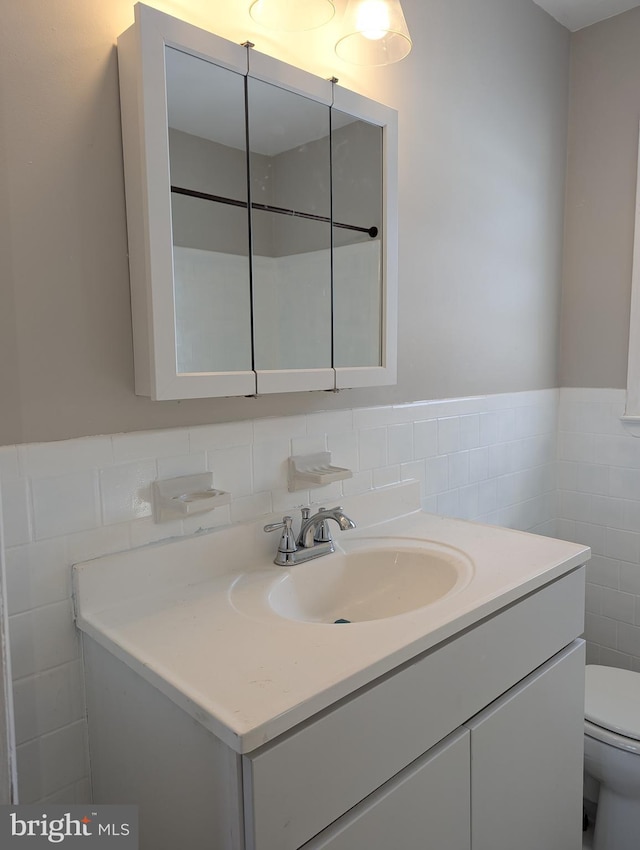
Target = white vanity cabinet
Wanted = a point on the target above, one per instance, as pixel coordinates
(475, 743)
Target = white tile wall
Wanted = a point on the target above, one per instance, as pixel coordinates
(488, 458)
(599, 505)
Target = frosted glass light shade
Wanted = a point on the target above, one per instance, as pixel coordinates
(292, 15)
(376, 33)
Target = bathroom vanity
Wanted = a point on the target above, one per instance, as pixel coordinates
(239, 722)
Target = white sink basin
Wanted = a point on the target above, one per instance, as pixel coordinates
(370, 579)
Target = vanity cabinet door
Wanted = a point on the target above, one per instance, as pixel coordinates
(526, 761)
(424, 806)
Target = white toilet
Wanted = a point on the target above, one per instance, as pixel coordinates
(612, 754)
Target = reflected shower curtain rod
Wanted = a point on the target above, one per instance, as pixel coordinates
(205, 196)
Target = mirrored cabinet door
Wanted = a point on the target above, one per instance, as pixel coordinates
(290, 168)
(209, 201)
(356, 182)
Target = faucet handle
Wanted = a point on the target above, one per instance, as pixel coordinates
(287, 543)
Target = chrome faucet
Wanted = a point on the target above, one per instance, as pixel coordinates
(314, 538)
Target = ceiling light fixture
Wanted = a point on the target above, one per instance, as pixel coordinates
(292, 15)
(376, 33)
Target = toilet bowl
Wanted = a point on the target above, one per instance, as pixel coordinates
(612, 754)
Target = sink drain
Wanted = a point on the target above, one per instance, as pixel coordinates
(341, 620)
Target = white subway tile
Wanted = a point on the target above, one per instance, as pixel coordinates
(458, 469)
(37, 574)
(104, 540)
(308, 445)
(83, 793)
(251, 507)
(430, 504)
(48, 701)
(610, 512)
(425, 438)
(232, 470)
(400, 445)
(591, 478)
(506, 425)
(617, 605)
(487, 496)
(622, 545)
(575, 505)
(174, 467)
(270, 465)
(624, 483)
(372, 417)
(285, 502)
(593, 653)
(449, 503)
(126, 491)
(567, 475)
(344, 450)
(360, 483)
(41, 639)
(470, 431)
(329, 422)
(328, 495)
(613, 658)
(46, 460)
(141, 445)
(601, 630)
(630, 515)
(146, 530)
(372, 448)
(386, 475)
(629, 639)
(16, 513)
(576, 447)
(404, 414)
(593, 536)
(436, 475)
(499, 460)
(617, 450)
(224, 435)
(489, 428)
(65, 504)
(216, 518)
(448, 435)
(479, 464)
(469, 501)
(415, 470)
(49, 763)
(602, 571)
(593, 598)
(630, 578)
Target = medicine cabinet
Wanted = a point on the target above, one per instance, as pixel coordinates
(261, 214)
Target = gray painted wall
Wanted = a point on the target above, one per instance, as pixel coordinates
(601, 185)
(482, 103)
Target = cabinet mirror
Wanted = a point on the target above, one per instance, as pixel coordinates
(261, 217)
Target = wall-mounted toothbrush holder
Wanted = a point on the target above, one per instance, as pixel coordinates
(314, 470)
(176, 498)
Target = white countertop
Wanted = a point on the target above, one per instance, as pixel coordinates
(200, 633)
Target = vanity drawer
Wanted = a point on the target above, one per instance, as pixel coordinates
(302, 782)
